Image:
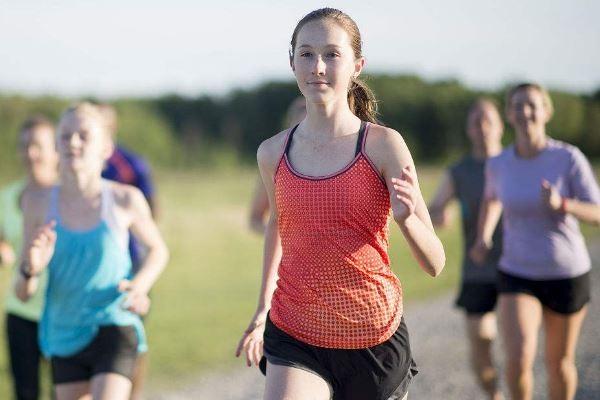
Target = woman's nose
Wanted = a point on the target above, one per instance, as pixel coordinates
(319, 66)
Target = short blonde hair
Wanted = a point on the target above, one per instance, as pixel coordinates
(110, 118)
(527, 86)
(87, 109)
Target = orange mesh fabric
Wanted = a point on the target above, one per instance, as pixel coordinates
(335, 286)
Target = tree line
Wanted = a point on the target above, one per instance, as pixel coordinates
(176, 131)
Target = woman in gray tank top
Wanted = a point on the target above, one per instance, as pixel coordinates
(464, 181)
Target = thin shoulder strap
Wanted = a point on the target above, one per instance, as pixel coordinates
(53, 212)
(108, 214)
(288, 140)
(106, 203)
(360, 145)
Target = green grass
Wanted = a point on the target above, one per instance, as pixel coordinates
(207, 294)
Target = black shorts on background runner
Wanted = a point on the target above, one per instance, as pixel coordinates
(477, 298)
(374, 373)
(113, 350)
(563, 296)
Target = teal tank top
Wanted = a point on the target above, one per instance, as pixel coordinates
(83, 278)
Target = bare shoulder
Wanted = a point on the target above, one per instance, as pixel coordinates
(125, 196)
(385, 143)
(270, 150)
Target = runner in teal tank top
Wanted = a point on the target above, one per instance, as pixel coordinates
(95, 260)
(90, 327)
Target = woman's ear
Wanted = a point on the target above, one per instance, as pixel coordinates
(109, 148)
(358, 66)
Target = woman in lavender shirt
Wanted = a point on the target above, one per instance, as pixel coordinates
(543, 187)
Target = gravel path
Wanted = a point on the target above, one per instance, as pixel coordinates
(440, 348)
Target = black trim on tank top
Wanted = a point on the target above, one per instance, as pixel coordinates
(286, 151)
(359, 140)
(361, 136)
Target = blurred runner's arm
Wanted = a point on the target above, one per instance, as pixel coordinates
(259, 208)
(439, 206)
(489, 215)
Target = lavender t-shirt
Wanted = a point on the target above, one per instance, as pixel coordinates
(539, 243)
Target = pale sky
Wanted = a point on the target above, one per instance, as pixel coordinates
(148, 47)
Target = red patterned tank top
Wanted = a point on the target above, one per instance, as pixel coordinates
(335, 286)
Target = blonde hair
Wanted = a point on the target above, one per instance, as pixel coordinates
(361, 99)
(86, 109)
(529, 86)
(110, 118)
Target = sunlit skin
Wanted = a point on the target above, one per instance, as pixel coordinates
(38, 152)
(323, 64)
(82, 145)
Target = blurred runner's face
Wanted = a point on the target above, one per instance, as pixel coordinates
(38, 149)
(324, 61)
(83, 144)
(484, 126)
(528, 113)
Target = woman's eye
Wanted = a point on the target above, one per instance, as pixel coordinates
(333, 55)
(306, 54)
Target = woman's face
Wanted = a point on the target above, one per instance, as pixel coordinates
(528, 113)
(38, 149)
(484, 126)
(83, 143)
(324, 61)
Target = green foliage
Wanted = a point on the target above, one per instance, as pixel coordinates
(216, 132)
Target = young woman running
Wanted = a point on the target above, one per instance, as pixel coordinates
(90, 327)
(37, 146)
(330, 308)
(544, 187)
(464, 181)
(259, 208)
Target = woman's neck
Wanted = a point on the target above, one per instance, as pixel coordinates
(42, 178)
(486, 150)
(82, 184)
(330, 120)
(529, 146)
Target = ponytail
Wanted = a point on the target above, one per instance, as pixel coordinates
(362, 101)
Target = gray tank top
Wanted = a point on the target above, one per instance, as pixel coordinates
(468, 176)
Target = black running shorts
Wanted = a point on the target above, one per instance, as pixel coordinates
(113, 350)
(564, 296)
(380, 372)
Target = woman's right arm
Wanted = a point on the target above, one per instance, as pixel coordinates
(268, 156)
(489, 215)
(438, 209)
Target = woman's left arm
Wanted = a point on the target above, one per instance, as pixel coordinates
(584, 211)
(145, 230)
(391, 155)
(583, 201)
